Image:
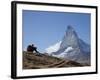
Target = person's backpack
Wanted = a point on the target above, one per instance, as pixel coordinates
(30, 48)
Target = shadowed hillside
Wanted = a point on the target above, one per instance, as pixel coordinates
(37, 61)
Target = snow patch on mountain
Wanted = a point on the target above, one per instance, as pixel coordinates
(62, 55)
(53, 48)
(68, 49)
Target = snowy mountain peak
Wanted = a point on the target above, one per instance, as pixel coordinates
(70, 38)
(72, 47)
(70, 30)
(69, 27)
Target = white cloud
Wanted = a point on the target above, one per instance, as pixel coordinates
(53, 48)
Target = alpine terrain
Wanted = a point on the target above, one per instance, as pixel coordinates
(33, 60)
(71, 47)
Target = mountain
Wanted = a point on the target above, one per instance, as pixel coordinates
(39, 61)
(73, 48)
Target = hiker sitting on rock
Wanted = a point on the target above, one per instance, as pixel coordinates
(32, 48)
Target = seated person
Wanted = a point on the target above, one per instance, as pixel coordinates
(32, 48)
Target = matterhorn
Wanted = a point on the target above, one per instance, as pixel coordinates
(73, 48)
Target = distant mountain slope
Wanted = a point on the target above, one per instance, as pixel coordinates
(38, 61)
(73, 48)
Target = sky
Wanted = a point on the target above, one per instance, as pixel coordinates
(46, 28)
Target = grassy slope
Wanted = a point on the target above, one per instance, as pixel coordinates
(36, 61)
